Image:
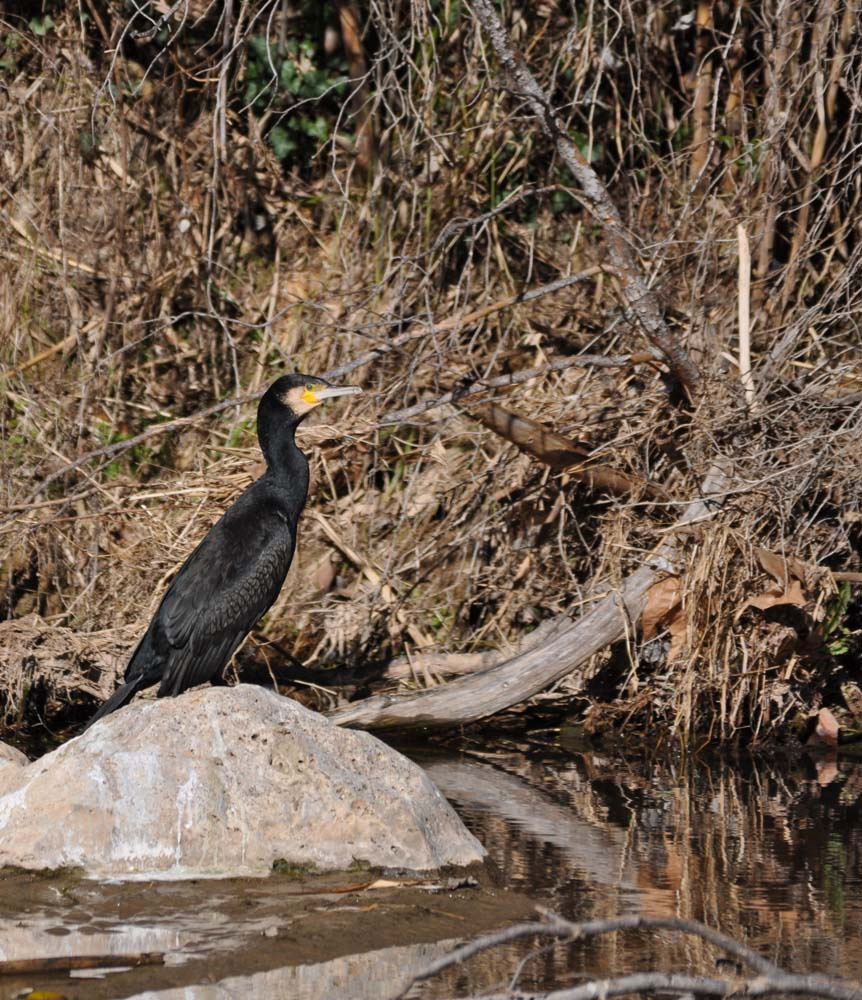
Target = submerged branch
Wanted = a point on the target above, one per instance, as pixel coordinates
(66, 963)
(769, 979)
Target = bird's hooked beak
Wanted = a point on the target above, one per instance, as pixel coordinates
(315, 394)
(327, 392)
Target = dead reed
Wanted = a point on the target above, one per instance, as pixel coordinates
(163, 249)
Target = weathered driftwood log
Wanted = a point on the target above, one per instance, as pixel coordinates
(430, 666)
(496, 688)
(566, 650)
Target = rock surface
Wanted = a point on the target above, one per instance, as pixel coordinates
(225, 781)
(9, 755)
(11, 761)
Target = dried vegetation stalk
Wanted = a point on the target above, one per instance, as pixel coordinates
(475, 215)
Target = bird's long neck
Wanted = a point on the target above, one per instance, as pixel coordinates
(286, 466)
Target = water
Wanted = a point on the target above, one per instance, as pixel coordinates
(768, 853)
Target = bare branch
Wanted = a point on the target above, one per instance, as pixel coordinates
(640, 298)
(770, 978)
(566, 650)
(111, 451)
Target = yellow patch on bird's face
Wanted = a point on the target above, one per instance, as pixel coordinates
(302, 398)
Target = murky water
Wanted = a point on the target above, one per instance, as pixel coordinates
(770, 854)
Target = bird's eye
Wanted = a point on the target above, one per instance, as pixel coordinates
(309, 386)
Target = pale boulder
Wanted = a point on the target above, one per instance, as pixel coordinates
(9, 755)
(11, 762)
(225, 781)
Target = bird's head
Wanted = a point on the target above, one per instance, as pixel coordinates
(301, 393)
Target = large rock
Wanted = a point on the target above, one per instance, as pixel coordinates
(225, 781)
(11, 762)
(9, 755)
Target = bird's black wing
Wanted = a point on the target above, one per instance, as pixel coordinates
(227, 583)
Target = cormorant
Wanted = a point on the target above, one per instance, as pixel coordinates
(235, 574)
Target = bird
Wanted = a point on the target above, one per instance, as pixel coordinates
(236, 572)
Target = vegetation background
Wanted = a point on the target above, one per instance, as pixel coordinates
(198, 197)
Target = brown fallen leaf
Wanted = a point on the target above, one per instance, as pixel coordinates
(781, 567)
(560, 453)
(776, 595)
(664, 610)
(662, 599)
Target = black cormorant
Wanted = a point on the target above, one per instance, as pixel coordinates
(236, 572)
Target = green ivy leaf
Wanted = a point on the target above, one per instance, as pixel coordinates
(283, 144)
(41, 25)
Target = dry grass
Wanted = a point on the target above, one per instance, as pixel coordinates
(157, 257)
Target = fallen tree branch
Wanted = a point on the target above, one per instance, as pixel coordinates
(567, 651)
(769, 979)
(65, 963)
(497, 688)
(638, 295)
(561, 453)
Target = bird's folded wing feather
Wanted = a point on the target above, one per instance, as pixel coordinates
(217, 597)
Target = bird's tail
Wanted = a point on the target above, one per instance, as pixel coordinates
(122, 696)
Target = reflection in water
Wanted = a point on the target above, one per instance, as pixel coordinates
(596, 850)
(771, 855)
(326, 936)
(768, 854)
(373, 975)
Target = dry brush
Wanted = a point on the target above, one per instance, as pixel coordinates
(539, 213)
